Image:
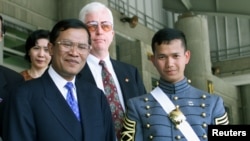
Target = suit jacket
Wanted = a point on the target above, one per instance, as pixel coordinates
(128, 76)
(9, 80)
(39, 112)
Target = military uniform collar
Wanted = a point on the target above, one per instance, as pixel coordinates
(170, 88)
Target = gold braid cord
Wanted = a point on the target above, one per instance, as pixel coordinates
(128, 132)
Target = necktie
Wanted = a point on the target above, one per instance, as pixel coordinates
(113, 99)
(71, 100)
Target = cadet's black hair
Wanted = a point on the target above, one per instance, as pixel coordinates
(167, 35)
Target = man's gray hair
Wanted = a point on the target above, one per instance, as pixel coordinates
(93, 7)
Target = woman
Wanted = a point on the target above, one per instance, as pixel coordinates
(37, 54)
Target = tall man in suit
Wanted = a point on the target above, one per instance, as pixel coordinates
(128, 82)
(9, 80)
(39, 110)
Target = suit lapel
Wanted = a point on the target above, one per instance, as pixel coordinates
(59, 107)
(124, 78)
(82, 99)
(87, 75)
(119, 71)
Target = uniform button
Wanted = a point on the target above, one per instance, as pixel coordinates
(177, 106)
(203, 105)
(145, 99)
(147, 107)
(203, 114)
(204, 136)
(126, 80)
(189, 81)
(178, 137)
(148, 125)
(175, 98)
(148, 114)
(204, 125)
(157, 83)
(151, 137)
(204, 96)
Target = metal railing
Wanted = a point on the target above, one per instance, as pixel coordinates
(152, 23)
(229, 54)
(144, 19)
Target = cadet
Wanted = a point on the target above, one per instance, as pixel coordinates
(174, 110)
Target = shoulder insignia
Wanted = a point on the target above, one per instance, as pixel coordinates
(223, 120)
(128, 130)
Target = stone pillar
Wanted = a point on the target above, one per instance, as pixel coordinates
(195, 28)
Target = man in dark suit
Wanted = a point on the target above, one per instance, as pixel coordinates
(9, 80)
(128, 82)
(39, 110)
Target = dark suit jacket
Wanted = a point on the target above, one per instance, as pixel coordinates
(39, 112)
(9, 79)
(128, 76)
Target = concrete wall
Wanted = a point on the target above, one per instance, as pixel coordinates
(41, 14)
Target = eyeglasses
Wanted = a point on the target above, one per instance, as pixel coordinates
(93, 25)
(67, 45)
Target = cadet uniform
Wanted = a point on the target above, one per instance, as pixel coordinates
(146, 120)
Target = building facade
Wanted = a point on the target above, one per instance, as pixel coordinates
(131, 44)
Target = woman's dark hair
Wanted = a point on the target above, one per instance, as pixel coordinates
(32, 40)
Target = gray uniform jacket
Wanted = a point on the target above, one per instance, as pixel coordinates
(146, 120)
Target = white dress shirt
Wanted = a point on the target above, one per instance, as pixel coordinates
(61, 82)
